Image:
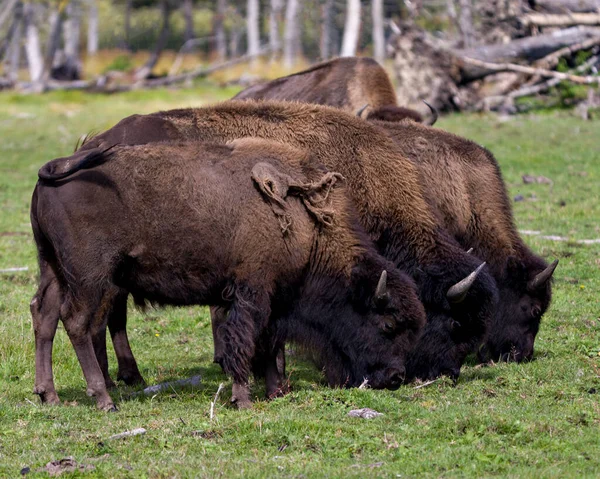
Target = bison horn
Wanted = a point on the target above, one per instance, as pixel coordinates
(361, 111)
(434, 115)
(541, 278)
(470, 250)
(458, 292)
(381, 290)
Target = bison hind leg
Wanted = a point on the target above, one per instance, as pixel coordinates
(45, 313)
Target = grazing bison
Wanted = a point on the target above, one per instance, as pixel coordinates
(248, 226)
(465, 185)
(349, 83)
(458, 295)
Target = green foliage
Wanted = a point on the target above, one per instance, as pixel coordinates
(122, 63)
(532, 420)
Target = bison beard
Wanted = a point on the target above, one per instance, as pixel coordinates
(388, 196)
(310, 283)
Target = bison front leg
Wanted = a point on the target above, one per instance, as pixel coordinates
(249, 313)
(45, 313)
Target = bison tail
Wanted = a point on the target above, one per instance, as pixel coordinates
(63, 167)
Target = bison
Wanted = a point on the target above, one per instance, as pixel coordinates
(350, 83)
(466, 188)
(248, 226)
(464, 184)
(459, 296)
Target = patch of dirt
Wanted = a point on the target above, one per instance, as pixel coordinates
(66, 464)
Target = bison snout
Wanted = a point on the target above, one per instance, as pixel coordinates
(395, 377)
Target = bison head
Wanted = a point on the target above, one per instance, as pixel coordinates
(454, 327)
(525, 293)
(377, 326)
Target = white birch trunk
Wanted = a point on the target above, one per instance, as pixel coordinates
(291, 34)
(274, 23)
(252, 27)
(32, 45)
(92, 32)
(378, 35)
(351, 29)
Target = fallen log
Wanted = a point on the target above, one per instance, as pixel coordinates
(527, 49)
(566, 20)
(504, 67)
(563, 6)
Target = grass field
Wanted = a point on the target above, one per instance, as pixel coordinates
(540, 419)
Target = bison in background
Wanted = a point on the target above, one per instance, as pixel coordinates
(351, 83)
(253, 227)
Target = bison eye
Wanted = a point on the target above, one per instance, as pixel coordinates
(388, 325)
(536, 312)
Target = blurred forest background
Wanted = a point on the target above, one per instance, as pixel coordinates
(456, 54)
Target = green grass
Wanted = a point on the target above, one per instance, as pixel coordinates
(539, 419)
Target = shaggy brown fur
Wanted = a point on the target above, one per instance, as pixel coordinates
(466, 188)
(387, 193)
(347, 83)
(194, 223)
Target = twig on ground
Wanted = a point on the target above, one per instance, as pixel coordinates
(133, 432)
(426, 383)
(157, 388)
(14, 270)
(213, 402)
(364, 384)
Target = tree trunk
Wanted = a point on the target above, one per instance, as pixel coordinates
(326, 27)
(56, 24)
(291, 34)
(72, 30)
(351, 29)
(32, 44)
(92, 33)
(7, 11)
(146, 70)
(274, 24)
(465, 23)
(564, 6)
(252, 27)
(127, 39)
(551, 20)
(528, 49)
(219, 30)
(451, 10)
(378, 35)
(13, 53)
(188, 15)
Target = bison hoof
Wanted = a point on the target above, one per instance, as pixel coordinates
(108, 407)
(46, 397)
(132, 379)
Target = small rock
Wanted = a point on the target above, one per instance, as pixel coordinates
(562, 203)
(519, 198)
(592, 391)
(25, 471)
(529, 179)
(365, 413)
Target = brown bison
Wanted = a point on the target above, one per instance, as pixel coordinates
(350, 83)
(248, 226)
(386, 191)
(465, 185)
(466, 188)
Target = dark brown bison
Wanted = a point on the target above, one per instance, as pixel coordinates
(386, 191)
(350, 83)
(466, 187)
(251, 227)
